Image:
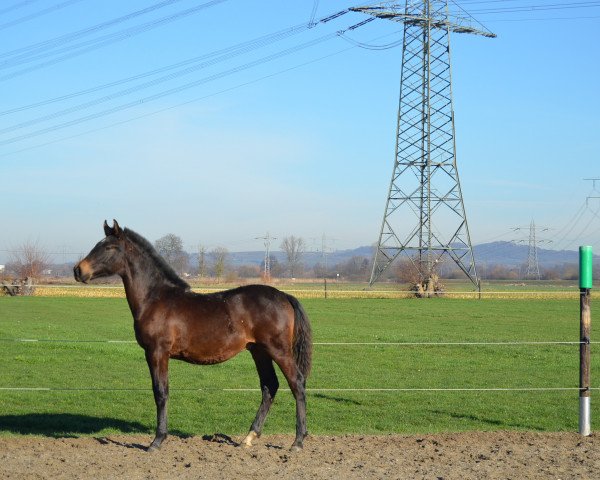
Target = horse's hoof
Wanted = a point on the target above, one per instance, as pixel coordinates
(247, 443)
(153, 448)
(296, 448)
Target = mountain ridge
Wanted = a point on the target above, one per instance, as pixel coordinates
(493, 253)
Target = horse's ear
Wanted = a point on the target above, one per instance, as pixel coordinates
(116, 229)
(107, 230)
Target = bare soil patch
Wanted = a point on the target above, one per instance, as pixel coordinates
(472, 455)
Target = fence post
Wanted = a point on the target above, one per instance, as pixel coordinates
(585, 320)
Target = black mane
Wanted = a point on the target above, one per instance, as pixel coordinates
(163, 267)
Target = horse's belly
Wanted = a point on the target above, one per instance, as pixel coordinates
(208, 341)
(205, 353)
(202, 359)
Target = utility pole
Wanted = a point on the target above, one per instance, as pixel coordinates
(424, 212)
(325, 249)
(267, 268)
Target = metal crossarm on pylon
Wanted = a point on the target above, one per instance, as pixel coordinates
(424, 213)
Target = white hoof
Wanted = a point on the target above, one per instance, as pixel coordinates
(249, 438)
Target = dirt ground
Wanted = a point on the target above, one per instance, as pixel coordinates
(500, 455)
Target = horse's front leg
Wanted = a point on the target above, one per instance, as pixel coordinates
(158, 362)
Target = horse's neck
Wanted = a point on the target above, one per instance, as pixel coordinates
(139, 283)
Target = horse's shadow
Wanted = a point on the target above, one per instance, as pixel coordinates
(69, 425)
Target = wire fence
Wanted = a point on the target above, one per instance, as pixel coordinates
(395, 344)
(309, 390)
(318, 389)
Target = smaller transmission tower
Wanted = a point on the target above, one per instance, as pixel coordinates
(533, 267)
(267, 242)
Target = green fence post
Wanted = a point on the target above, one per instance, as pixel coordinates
(585, 322)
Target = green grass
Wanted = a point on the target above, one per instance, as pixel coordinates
(114, 369)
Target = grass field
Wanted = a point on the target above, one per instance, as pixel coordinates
(101, 388)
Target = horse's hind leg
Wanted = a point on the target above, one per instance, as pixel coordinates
(159, 364)
(297, 384)
(268, 385)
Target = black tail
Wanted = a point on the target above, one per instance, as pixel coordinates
(302, 342)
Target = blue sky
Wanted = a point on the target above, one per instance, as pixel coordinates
(302, 144)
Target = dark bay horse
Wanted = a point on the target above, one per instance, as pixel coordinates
(170, 321)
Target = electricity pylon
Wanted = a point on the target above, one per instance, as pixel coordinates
(424, 210)
(533, 267)
(532, 270)
(267, 268)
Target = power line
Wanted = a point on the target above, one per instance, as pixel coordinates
(257, 42)
(86, 31)
(154, 96)
(536, 8)
(31, 16)
(187, 102)
(547, 19)
(87, 46)
(566, 228)
(16, 6)
(165, 93)
(215, 57)
(586, 226)
(472, 2)
(473, 19)
(579, 217)
(228, 54)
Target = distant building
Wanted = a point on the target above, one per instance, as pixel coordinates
(2, 267)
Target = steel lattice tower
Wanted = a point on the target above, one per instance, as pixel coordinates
(267, 268)
(424, 213)
(533, 267)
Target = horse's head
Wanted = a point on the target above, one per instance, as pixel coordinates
(106, 258)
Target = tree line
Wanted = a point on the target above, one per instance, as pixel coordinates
(30, 260)
(216, 262)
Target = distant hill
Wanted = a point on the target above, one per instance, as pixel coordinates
(309, 259)
(511, 254)
(495, 253)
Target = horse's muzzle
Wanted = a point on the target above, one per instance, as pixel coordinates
(79, 276)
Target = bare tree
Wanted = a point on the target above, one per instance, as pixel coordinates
(423, 282)
(29, 260)
(201, 261)
(219, 255)
(294, 248)
(170, 248)
(355, 268)
(249, 271)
